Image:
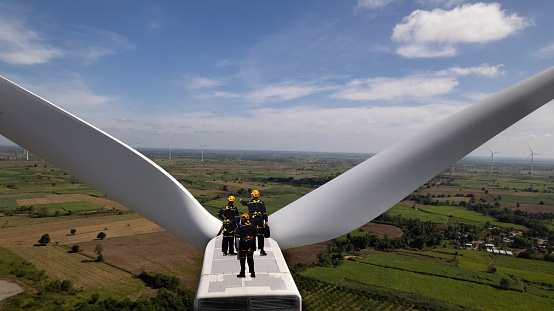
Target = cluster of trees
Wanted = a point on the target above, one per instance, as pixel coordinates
(59, 287)
(416, 234)
(170, 297)
(311, 181)
(533, 221)
(159, 280)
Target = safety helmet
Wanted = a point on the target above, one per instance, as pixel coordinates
(231, 199)
(245, 215)
(255, 193)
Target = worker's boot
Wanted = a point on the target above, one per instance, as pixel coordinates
(253, 274)
(242, 266)
(263, 253)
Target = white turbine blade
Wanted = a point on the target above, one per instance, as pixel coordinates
(366, 191)
(104, 163)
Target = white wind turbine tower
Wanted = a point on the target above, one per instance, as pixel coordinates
(532, 156)
(203, 151)
(170, 143)
(492, 160)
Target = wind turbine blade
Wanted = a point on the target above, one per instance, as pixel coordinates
(369, 189)
(103, 162)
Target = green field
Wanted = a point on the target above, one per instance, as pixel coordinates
(438, 277)
(437, 280)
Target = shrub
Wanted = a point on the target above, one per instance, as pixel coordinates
(505, 283)
(45, 239)
(159, 280)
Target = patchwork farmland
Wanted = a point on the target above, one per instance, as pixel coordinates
(386, 265)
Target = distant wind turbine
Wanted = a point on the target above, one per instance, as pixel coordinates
(492, 160)
(203, 151)
(532, 156)
(170, 143)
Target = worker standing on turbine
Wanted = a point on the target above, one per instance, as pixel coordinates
(244, 242)
(230, 216)
(257, 212)
(229, 211)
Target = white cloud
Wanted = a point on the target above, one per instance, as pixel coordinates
(390, 88)
(440, 3)
(362, 129)
(270, 93)
(546, 52)
(195, 83)
(71, 92)
(22, 46)
(372, 4)
(439, 32)
(414, 86)
(281, 92)
(91, 44)
(483, 70)
(126, 120)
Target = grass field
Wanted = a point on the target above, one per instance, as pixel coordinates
(462, 215)
(453, 276)
(466, 293)
(409, 212)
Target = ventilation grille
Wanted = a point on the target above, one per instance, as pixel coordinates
(266, 303)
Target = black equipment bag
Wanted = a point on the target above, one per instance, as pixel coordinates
(267, 233)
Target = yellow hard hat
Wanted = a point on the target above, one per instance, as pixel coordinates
(255, 193)
(231, 199)
(245, 215)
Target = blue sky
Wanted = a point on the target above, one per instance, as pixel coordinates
(352, 76)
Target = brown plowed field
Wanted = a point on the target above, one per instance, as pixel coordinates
(87, 230)
(304, 254)
(382, 229)
(160, 252)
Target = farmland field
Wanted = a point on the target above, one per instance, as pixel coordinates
(415, 278)
(444, 276)
(83, 272)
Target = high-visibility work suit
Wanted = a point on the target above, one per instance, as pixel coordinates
(229, 228)
(230, 212)
(258, 215)
(245, 236)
